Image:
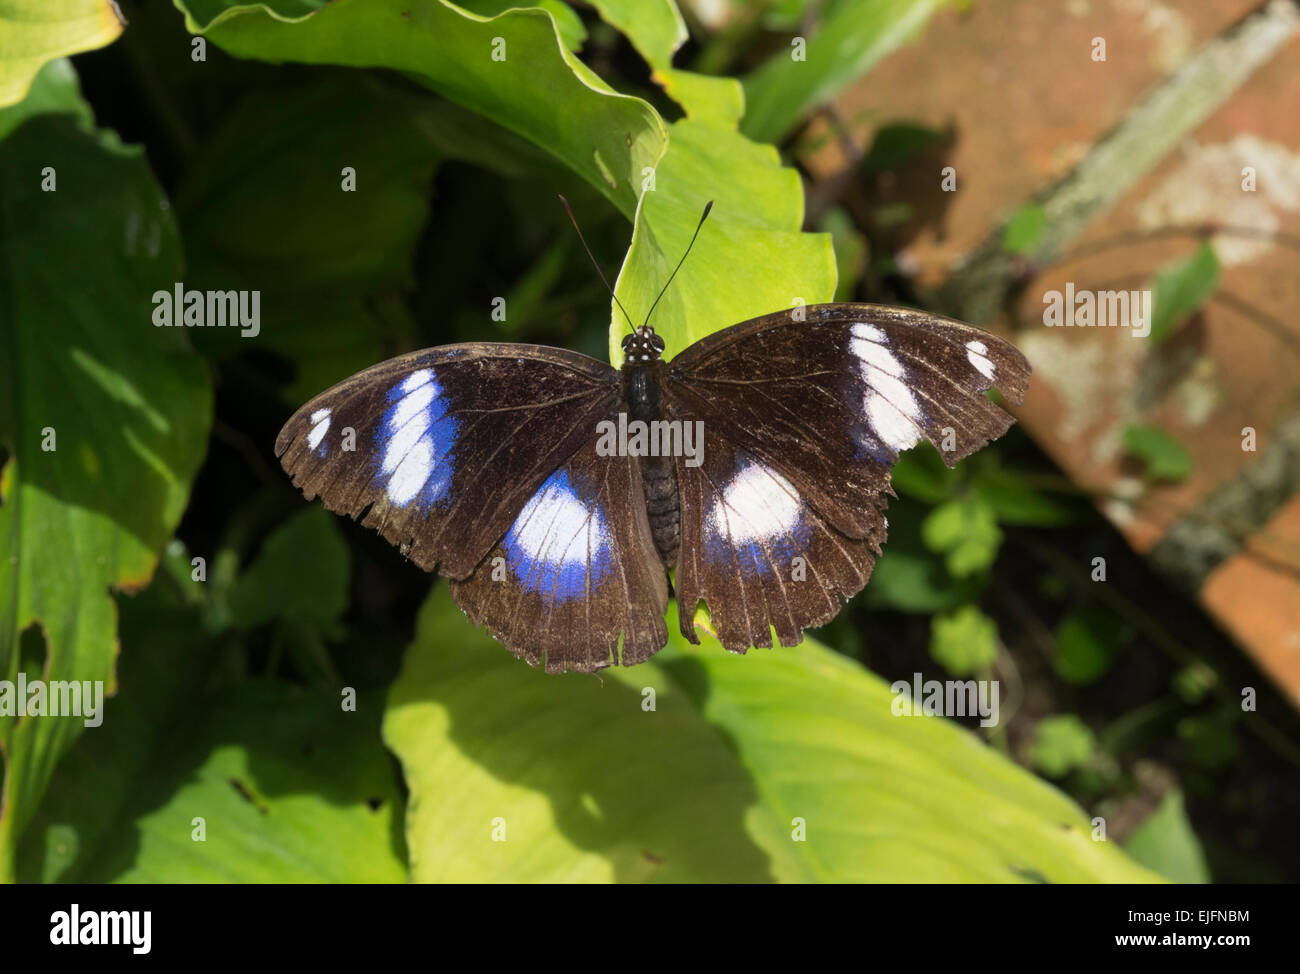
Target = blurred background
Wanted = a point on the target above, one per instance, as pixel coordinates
(964, 158)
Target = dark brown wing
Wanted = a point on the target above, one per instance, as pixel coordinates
(759, 554)
(831, 400)
(440, 449)
(576, 576)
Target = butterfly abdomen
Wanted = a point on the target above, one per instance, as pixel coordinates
(663, 507)
(658, 474)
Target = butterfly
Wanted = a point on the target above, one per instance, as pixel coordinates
(759, 480)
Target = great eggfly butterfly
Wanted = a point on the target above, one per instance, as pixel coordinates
(490, 463)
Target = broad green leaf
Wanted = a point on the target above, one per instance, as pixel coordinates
(539, 89)
(1165, 458)
(1062, 743)
(55, 91)
(757, 215)
(264, 207)
(290, 787)
(850, 38)
(964, 641)
(545, 94)
(1021, 233)
(35, 32)
(784, 765)
(105, 417)
(569, 25)
(1086, 644)
(1181, 288)
(300, 574)
(966, 532)
(1166, 843)
(751, 257)
(656, 29)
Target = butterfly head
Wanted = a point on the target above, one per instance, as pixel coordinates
(642, 346)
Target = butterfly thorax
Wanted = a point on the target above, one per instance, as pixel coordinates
(642, 368)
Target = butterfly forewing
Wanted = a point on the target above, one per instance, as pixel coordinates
(759, 554)
(829, 395)
(576, 575)
(439, 450)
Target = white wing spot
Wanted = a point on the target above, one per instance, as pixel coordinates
(758, 504)
(890, 406)
(978, 352)
(557, 528)
(412, 473)
(871, 333)
(320, 424)
(416, 379)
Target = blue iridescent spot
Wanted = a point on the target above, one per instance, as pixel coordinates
(559, 546)
(415, 441)
(757, 522)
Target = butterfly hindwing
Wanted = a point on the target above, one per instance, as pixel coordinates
(829, 395)
(756, 551)
(576, 572)
(440, 449)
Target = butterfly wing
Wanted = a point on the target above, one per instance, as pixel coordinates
(576, 573)
(440, 449)
(831, 400)
(759, 553)
(803, 422)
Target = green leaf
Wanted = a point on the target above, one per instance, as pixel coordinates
(908, 576)
(1014, 502)
(128, 404)
(614, 141)
(301, 574)
(896, 144)
(656, 29)
(567, 22)
(540, 90)
(921, 473)
(55, 91)
(1164, 456)
(263, 208)
(1210, 740)
(1166, 843)
(291, 788)
(756, 218)
(1180, 288)
(751, 257)
(1193, 681)
(1061, 744)
(966, 532)
(851, 251)
(965, 641)
(1086, 644)
(851, 38)
(784, 765)
(1021, 233)
(36, 32)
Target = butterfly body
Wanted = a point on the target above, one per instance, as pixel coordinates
(491, 464)
(642, 374)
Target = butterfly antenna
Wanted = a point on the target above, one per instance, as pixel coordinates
(703, 216)
(573, 220)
